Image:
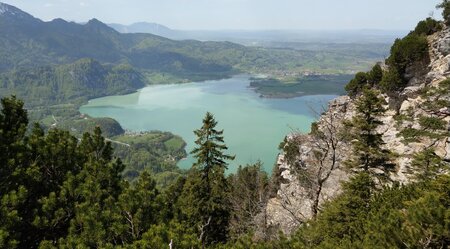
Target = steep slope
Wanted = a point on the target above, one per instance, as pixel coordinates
(70, 83)
(417, 119)
(27, 42)
(145, 27)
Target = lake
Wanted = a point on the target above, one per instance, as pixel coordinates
(253, 126)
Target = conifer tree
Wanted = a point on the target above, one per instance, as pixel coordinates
(13, 125)
(204, 202)
(210, 146)
(445, 6)
(367, 141)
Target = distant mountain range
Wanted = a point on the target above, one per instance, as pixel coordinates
(265, 37)
(146, 27)
(26, 41)
(36, 56)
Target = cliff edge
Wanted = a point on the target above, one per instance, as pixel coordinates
(298, 197)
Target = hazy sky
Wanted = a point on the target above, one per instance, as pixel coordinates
(240, 14)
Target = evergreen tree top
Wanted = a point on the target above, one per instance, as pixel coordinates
(210, 146)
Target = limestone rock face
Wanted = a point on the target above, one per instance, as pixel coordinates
(294, 200)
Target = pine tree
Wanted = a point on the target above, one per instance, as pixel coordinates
(210, 146)
(139, 207)
(445, 6)
(367, 141)
(248, 196)
(204, 202)
(13, 125)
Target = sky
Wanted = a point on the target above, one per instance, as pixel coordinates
(241, 14)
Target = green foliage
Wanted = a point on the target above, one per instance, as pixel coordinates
(367, 142)
(356, 85)
(13, 125)
(392, 81)
(435, 97)
(445, 6)
(406, 51)
(411, 135)
(59, 192)
(290, 148)
(375, 75)
(78, 126)
(427, 165)
(210, 146)
(205, 204)
(432, 123)
(139, 207)
(409, 51)
(73, 83)
(341, 224)
(156, 152)
(428, 26)
(363, 80)
(413, 216)
(248, 196)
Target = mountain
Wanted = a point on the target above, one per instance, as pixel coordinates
(27, 42)
(70, 83)
(267, 38)
(145, 27)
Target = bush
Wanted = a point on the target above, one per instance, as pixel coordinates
(375, 75)
(428, 26)
(392, 82)
(445, 6)
(406, 51)
(356, 85)
(362, 79)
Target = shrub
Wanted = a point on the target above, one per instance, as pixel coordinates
(428, 26)
(362, 79)
(406, 51)
(392, 82)
(375, 75)
(445, 6)
(356, 85)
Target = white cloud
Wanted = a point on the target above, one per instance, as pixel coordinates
(48, 5)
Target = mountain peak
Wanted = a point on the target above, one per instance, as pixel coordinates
(10, 11)
(98, 25)
(94, 21)
(6, 8)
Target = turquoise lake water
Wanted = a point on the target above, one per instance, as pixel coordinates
(253, 126)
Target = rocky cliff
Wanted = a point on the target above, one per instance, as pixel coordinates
(295, 199)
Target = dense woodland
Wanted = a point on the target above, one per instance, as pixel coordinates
(73, 83)
(29, 42)
(61, 191)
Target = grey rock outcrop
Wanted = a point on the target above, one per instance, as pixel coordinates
(293, 203)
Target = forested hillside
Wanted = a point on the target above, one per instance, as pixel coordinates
(70, 84)
(29, 42)
(373, 172)
(61, 192)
